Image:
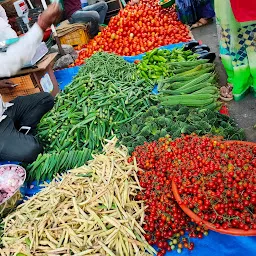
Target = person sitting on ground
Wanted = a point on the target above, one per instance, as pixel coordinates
(93, 14)
(26, 111)
(6, 32)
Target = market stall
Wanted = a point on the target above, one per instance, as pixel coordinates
(138, 159)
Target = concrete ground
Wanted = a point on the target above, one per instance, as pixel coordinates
(243, 111)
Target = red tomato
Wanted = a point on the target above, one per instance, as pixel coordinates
(137, 29)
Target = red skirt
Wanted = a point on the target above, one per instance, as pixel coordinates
(244, 10)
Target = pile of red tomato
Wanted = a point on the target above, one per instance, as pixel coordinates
(137, 29)
(216, 180)
(165, 222)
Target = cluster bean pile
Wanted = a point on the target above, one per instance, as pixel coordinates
(138, 29)
(92, 211)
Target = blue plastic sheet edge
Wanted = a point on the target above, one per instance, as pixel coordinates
(214, 244)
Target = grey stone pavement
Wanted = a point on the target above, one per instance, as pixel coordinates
(244, 111)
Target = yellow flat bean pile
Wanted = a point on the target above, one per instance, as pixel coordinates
(89, 211)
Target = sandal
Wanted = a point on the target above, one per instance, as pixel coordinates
(202, 22)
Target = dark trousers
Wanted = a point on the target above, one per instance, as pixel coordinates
(26, 111)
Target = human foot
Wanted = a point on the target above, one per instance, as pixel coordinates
(201, 22)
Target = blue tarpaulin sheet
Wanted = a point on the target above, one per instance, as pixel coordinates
(214, 244)
(65, 76)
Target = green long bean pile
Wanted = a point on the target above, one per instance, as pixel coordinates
(92, 108)
(110, 66)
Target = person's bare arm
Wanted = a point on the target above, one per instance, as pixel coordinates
(24, 50)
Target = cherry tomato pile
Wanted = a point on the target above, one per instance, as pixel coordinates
(215, 179)
(137, 29)
(218, 181)
(164, 218)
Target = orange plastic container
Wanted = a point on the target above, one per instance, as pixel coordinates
(75, 38)
(211, 226)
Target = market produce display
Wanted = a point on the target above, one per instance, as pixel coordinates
(193, 85)
(110, 66)
(47, 166)
(11, 178)
(165, 223)
(138, 29)
(94, 105)
(159, 121)
(157, 63)
(223, 190)
(92, 211)
(215, 179)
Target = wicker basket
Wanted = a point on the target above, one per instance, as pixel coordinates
(75, 38)
(9, 8)
(11, 96)
(25, 87)
(23, 83)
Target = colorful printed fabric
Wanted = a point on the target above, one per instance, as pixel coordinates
(190, 11)
(237, 49)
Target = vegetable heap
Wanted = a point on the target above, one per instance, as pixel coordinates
(94, 105)
(215, 179)
(157, 63)
(194, 85)
(164, 219)
(159, 121)
(138, 29)
(91, 210)
(47, 166)
(223, 190)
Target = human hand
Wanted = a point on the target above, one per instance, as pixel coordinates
(49, 16)
(5, 83)
(133, 2)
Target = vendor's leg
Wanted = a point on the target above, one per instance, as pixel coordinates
(28, 110)
(85, 17)
(250, 37)
(16, 146)
(204, 13)
(101, 8)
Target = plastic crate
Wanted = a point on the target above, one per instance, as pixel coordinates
(75, 38)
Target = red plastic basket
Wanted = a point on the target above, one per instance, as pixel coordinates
(211, 226)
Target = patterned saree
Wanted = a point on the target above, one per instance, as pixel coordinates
(237, 48)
